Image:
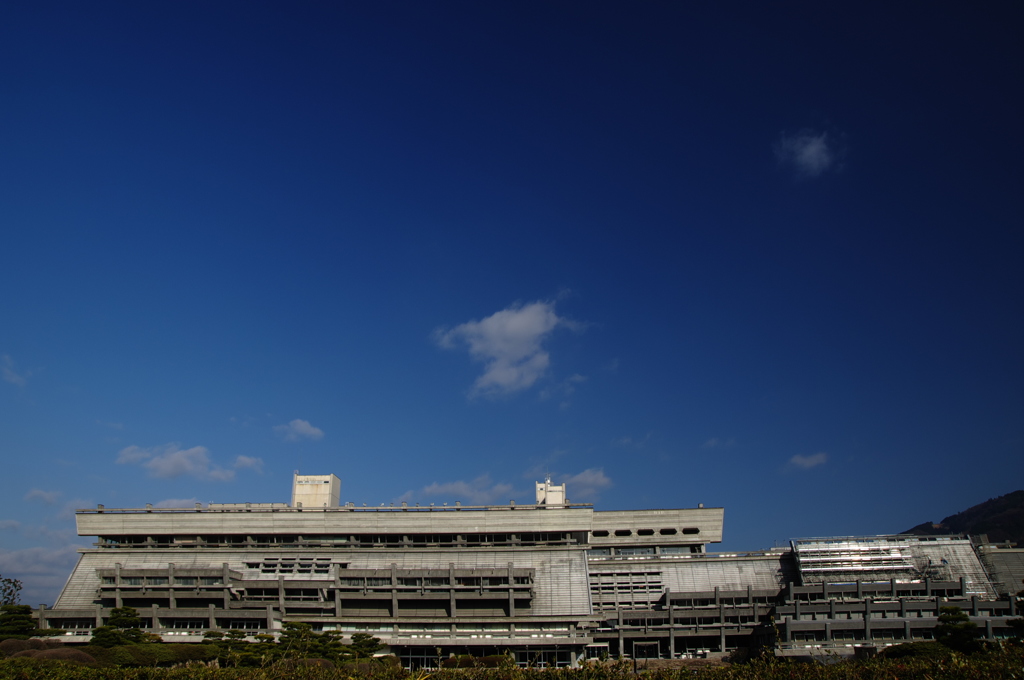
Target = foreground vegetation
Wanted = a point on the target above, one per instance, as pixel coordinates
(1000, 662)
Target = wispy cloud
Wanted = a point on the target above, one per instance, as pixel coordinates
(170, 461)
(8, 524)
(480, 491)
(112, 426)
(809, 153)
(43, 571)
(564, 389)
(586, 485)
(299, 429)
(7, 370)
(718, 443)
(510, 345)
(633, 442)
(249, 463)
(48, 497)
(177, 503)
(808, 462)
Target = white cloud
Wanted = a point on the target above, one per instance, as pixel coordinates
(480, 491)
(48, 497)
(510, 345)
(177, 503)
(586, 485)
(9, 524)
(249, 463)
(808, 462)
(169, 461)
(9, 374)
(299, 429)
(112, 426)
(809, 153)
(718, 443)
(42, 571)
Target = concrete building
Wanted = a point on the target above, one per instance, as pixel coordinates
(550, 582)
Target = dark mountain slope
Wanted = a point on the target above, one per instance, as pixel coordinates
(1000, 518)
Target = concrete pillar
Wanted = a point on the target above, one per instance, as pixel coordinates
(927, 586)
(988, 629)
(1013, 604)
(280, 594)
(99, 615)
(892, 582)
(154, 623)
(908, 634)
(451, 590)
(511, 592)
(974, 605)
(867, 618)
(860, 589)
(721, 638)
(42, 617)
(270, 617)
(903, 608)
(963, 587)
(172, 601)
(718, 599)
(213, 617)
(394, 589)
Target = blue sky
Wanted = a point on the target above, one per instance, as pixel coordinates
(761, 257)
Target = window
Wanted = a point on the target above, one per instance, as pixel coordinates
(600, 533)
(157, 580)
(209, 581)
(185, 580)
(131, 580)
(108, 580)
(667, 532)
(623, 532)
(645, 532)
(691, 530)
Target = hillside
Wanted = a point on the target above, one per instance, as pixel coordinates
(1000, 518)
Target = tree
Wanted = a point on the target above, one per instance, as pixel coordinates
(957, 631)
(10, 590)
(16, 620)
(364, 645)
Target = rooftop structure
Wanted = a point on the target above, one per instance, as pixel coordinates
(553, 581)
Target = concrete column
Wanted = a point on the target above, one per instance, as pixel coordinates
(42, 617)
(451, 590)
(938, 605)
(860, 589)
(721, 638)
(213, 617)
(903, 608)
(718, 599)
(511, 592)
(99, 615)
(927, 586)
(172, 602)
(394, 589)
(337, 603)
(963, 587)
(867, 618)
(908, 634)
(892, 583)
(1013, 605)
(974, 605)
(280, 594)
(831, 609)
(988, 629)
(270, 617)
(155, 617)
